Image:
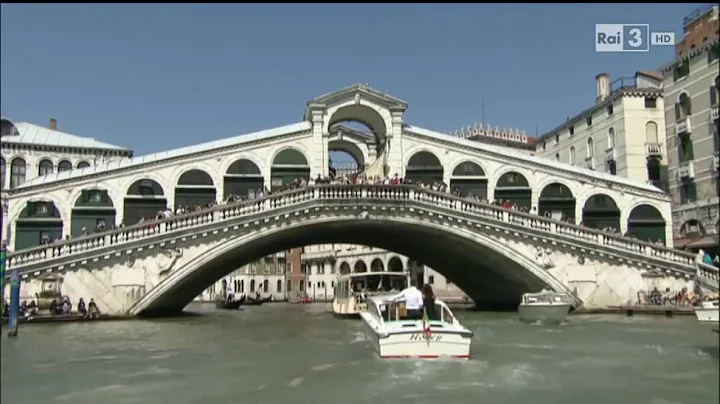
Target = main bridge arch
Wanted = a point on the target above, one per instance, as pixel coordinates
(491, 271)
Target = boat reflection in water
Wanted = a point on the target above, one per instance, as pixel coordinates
(353, 290)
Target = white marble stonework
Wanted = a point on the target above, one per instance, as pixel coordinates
(395, 144)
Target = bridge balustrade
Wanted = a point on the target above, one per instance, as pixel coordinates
(400, 193)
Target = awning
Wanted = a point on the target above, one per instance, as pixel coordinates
(682, 242)
(704, 242)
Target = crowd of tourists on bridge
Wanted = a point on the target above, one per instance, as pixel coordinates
(674, 298)
(56, 305)
(354, 179)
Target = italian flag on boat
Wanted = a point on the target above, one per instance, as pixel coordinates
(426, 324)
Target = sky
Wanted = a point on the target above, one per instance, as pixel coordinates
(154, 77)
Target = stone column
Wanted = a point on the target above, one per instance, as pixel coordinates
(395, 143)
(319, 152)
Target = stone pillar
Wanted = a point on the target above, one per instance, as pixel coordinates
(319, 153)
(395, 142)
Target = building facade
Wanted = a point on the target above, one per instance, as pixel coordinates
(691, 84)
(30, 151)
(622, 134)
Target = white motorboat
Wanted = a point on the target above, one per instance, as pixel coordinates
(353, 290)
(708, 312)
(394, 337)
(546, 307)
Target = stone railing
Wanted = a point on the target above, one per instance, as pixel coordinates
(681, 260)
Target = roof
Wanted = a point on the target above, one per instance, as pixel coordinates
(165, 155)
(507, 152)
(40, 136)
(355, 89)
(656, 76)
(692, 53)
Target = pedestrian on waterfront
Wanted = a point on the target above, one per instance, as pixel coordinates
(82, 310)
(413, 301)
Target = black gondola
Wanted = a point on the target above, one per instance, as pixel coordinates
(225, 305)
(257, 302)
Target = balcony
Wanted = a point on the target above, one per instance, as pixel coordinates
(683, 126)
(686, 170)
(610, 154)
(716, 162)
(653, 150)
(714, 114)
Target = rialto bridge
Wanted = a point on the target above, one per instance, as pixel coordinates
(492, 253)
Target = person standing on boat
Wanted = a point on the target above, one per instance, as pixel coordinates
(413, 301)
(429, 302)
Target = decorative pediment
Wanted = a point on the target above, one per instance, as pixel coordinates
(357, 92)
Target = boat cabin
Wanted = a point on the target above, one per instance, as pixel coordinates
(369, 283)
(395, 311)
(545, 298)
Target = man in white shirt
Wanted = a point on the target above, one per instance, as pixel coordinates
(413, 298)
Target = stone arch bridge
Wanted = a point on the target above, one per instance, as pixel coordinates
(492, 253)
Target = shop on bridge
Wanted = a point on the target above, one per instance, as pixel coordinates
(424, 167)
(145, 198)
(646, 223)
(38, 223)
(601, 212)
(93, 211)
(557, 201)
(469, 179)
(195, 187)
(515, 188)
(243, 179)
(288, 165)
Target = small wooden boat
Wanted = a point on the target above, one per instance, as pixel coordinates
(225, 305)
(257, 302)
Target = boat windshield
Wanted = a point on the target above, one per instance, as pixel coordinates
(371, 284)
(545, 298)
(396, 311)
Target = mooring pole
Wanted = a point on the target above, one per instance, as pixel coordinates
(14, 303)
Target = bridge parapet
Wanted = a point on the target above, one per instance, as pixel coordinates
(36, 259)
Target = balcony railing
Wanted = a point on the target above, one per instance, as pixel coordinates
(653, 150)
(686, 170)
(716, 162)
(683, 125)
(714, 113)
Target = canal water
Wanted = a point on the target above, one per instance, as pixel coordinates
(283, 353)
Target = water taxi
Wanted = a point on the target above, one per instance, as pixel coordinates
(353, 290)
(546, 307)
(394, 337)
(709, 311)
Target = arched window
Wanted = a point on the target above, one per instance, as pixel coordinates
(64, 166)
(572, 155)
(590, 147)
(279, 286)
(714, 90)
(83, 164)
(683, 108)
(611, 138)
(45, 167)
(651, 132)
(18, 172)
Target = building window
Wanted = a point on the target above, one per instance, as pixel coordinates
(571, 130)
(714, 53)
(714, 90)
(83, 164)
(682, 70)
(557, 157)
(572, 155)
(611, 138)
(609, 109)
(2, 172)
(18, 172)
(557, 138)
(588, 121)
(611, 167)
(45, 168)
(683, 108)
(288, 286)
(590, 147)
(650, 102)
(544, 145)
(64, 166)
(688, 191)
(278, 288)
(651, 133)
(685, 149)
(431, 280)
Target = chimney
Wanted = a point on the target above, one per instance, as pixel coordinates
(53, 124)
(603, 86)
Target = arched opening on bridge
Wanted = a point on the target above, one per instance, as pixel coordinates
(39, 223)
(345, 156)
(514, 188)
(195, 188)
(469, 179)
(345, 268)
(601, 212)
(243, 179)
(377, 265)
(395, 265)
(288, 165)
(646, 223)
(360, 267)
(144, 199)
(368, 118)
(557, 201)
(92, 212)
(424, 167)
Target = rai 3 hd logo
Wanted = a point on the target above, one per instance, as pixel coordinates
(629, 38)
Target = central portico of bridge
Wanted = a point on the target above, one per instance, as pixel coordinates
(68, 204)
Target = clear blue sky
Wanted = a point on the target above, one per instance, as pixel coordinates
(155, 77)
